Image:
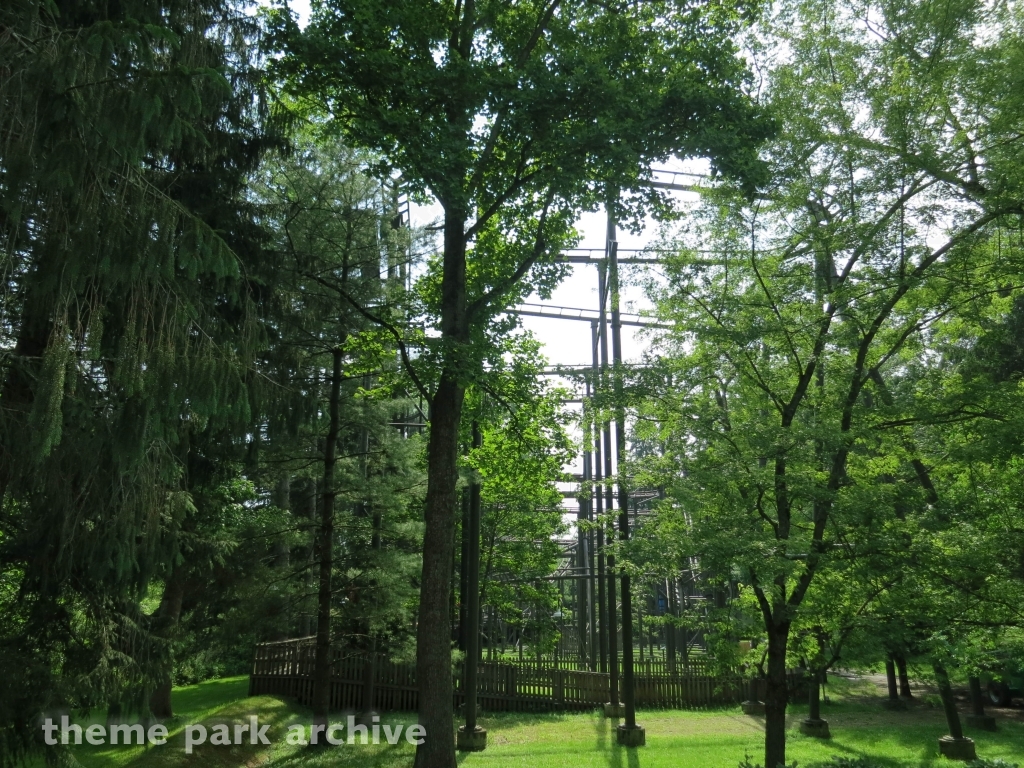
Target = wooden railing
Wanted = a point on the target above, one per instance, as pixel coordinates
(286, 669)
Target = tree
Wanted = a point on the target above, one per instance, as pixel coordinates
(514, 117)
(519, 462)
(339, 387)
(830, 284)
(126, 135)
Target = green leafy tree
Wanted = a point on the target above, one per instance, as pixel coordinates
(519, 463)
(830, 285)
(514, 117)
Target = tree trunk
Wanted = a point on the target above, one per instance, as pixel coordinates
(322, 664)
(370, 665)
(433, 645)
(166, 623)
(776, 697)
(433, 636)
(948, 702)
(890, 678)
(282, 556)
(901, 669)
(307, 512)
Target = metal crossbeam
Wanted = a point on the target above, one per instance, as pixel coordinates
(579, 313)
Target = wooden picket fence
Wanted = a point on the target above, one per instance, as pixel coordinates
(696, 664)
(286, 669)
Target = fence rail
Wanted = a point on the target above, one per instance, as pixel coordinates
(286, 669)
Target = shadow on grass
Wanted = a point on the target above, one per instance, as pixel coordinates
(878, 741)
(377, 756)
(516, 719)
(607, 744)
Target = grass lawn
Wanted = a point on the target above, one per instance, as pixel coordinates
(676, 739)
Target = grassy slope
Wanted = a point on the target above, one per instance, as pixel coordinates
(676, 739)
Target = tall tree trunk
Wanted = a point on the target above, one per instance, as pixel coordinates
(322, 664)
(167, 615)
(370, 665)
(433, 636)
(282, 555)
(433, 643)
(901, 669)
(307, 511)
(776, 696)
(948, 702)
(890, 678)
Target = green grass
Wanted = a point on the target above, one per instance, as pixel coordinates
(716, 738)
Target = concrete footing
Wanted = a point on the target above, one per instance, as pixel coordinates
(631, 737)
(816, 728)
(614, 710)
(471, 741)
(957, 749)
(366, 718)
(981, 722)
(752, 707)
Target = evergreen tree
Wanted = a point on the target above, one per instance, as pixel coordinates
(126, 133)
(339, 390)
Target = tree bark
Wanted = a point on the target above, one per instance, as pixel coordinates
(370, 665)
(890, 678)
(322, 664)
(901, 670)
(433, 637)
(282, 556)
(776, 697)
(167, 616)
(433, 644)
(307, 501)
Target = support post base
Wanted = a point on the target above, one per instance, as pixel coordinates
(957, 749)
(631, 737)
(981, 722)
(816, 728)
(366, 718)
(753, 707)
(895, 705)
(471, 741)
(614, 710)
